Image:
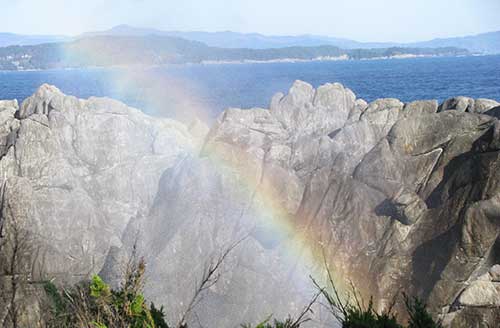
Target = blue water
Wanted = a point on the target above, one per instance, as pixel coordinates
(215, 87)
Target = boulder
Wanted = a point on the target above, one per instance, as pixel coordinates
(5, 104)
(466, 104)
(481, 294)
(482, 105)
(421, 107)
(307, 111)
(461, 104)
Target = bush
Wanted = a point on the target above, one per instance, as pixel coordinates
(288, 323)
(357, 316)
(418, 315)
(95, 304)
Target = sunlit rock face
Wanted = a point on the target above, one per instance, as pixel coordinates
(393, 196)
(76, 171)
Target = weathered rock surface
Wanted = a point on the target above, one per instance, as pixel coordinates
(466, 104)
(76, 171)
(395, 196)
(481, 294)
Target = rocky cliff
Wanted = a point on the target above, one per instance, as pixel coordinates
(392, 196)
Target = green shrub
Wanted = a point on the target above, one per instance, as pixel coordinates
(58, 303)
(418, 315)
(95, 304)
(288, 323)
(355, 315)
(158, 316)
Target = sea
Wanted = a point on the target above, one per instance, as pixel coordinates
(211, 88)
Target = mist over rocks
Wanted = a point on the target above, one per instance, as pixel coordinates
(396, 196)
(75, 172)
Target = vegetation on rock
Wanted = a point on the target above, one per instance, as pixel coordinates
(95, 304)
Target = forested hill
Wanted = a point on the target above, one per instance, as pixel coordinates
(104, 51)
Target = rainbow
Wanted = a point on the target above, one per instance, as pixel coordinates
(301, 242)
(299, 239)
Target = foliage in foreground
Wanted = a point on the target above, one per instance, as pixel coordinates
(288, 323)
(356, 315)
(418, 315)
(94, 304)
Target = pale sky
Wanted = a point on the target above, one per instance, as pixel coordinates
(362, 20)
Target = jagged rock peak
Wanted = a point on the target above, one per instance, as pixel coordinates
(307, 111)
(39, 102)
(48, 98)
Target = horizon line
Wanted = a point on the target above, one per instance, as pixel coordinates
(244, 33)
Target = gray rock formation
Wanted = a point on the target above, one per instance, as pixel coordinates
(394, 196)
(466, 104)
(75, 172)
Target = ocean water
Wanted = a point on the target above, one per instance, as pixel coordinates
(169, 91)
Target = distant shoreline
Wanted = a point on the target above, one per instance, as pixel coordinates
(278, 60)
(322, 59)
(110, 51)
(343, 58)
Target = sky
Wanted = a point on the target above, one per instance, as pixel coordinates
(362, 20)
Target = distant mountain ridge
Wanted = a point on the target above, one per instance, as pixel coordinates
(156, 50)
(229, 39)
(9, 39)
(485, 43)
